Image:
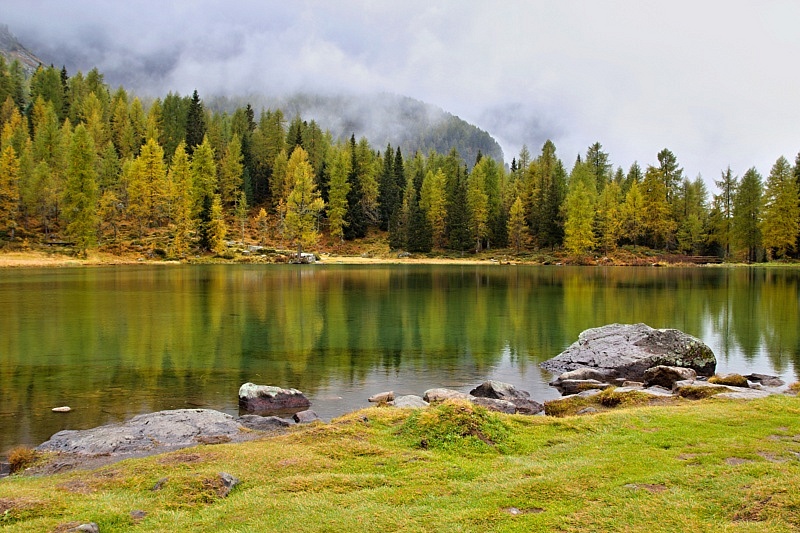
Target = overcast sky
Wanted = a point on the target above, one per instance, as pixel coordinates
(716, 82)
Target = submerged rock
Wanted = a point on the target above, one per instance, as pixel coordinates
(628, 350)
(265, 399)
(382, 397)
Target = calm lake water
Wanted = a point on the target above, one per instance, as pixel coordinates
(115, 342)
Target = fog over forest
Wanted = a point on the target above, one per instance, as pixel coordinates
(713, 84)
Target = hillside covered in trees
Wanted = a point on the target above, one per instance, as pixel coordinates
(83, 163)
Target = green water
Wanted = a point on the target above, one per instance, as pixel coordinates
(115, 342)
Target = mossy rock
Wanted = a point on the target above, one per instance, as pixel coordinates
(457, 424)
(693, 392)
(731, 380)
(608, 399)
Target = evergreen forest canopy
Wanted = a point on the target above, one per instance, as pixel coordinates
(98, 167)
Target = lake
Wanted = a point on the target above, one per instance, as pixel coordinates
(114, 342)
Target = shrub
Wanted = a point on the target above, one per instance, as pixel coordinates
(20, 457)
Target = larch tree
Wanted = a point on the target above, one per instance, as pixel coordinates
(303, 206)
(781, 211)
(9, 191)
(338, 187)
(517, 228)
(230, 172)
(181, 201)
(216, 228)
(80, 192)
(579, 208)
(478, 209)
(609, 216)
(204, 174)
(727, 190)
(747, 213)
(632, 227)
(656, 218)
(433, 201)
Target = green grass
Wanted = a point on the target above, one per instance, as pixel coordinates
(699, 466)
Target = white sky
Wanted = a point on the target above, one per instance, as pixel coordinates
(716, 82)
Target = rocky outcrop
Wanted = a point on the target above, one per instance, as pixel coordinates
(628, 350)
(148, 433)
(265, 399)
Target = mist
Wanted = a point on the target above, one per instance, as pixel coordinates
(713, 82)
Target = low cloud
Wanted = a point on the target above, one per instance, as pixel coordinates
(715, 83)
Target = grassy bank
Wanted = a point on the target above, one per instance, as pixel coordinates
(704, 466)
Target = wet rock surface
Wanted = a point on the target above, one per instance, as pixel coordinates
(628, 350)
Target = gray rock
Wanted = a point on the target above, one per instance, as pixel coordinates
(265, 399)
(410, 402)
(493, 404)
(526, 406)
(306, 417)
(633, 384)
(440, 395)
(574, 386)
(630, 349)
(504, 391)
(498, 390)
(695, 389)
(91, 527)
(744, 394)
(667, 376)
(585, 373)
(382, 397)
(228, 482)
(162, 431)
(587, 411)
(766, 380)
(264, 423)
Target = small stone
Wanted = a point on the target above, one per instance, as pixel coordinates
(62, 409)
(493, 404)
(305, 417)
(410, 402)
(160, 484)
(90, 527)
(138, 515)
(228, 482)
(587, 411)
(382, 397)
(440, 395)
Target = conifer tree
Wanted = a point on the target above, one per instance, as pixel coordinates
(727, 186)
(216, 229)
(657, 222)
(517, 228)
(747, 213)
(262, 225)
(241, 212)
(609, 218)
(781, 211)
(204, 173)
(632, 226)
(338, 189)
(230, 172)
(356, 220)
(9, 191)
(579, 207)
(195, 124)
(434, 203)
(478, 208)
(181, 201)
(303, 206)
(80, 193)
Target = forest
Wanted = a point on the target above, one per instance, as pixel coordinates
(92, 167)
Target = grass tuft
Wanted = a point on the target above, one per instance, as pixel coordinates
(698, 393)
(456, 424)
(607, 399)
(732, 380)
(20, 458)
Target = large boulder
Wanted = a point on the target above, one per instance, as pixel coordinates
(264, 399)
(628, 350)
(148, 433)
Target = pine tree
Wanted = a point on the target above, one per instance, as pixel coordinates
(781, 210)
(459, 237)
(746, 214)
(478, 208)
(434, 203)
(204, 173)
(356, 220)
(241, 212)
(388, 192)
(80, 194)
(517, 229)
(263, 226)
(195, 124)
(419, 235)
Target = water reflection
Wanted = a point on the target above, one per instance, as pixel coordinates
(115, 342)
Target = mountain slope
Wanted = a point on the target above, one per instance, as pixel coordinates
(12, 49)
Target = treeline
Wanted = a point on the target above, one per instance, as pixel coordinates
(96, 166)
